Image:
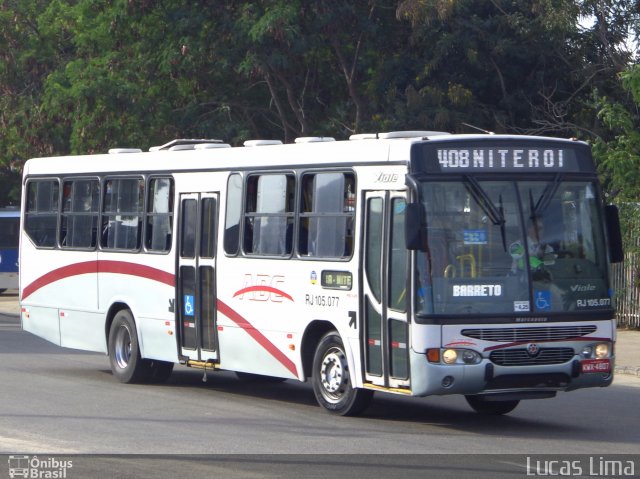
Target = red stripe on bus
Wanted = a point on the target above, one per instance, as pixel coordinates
(264, 289)
(134, 269)
(258, 336)
(584, 339)
(90, 267)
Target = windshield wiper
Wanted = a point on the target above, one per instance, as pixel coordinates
(495, 214)
(545, 198)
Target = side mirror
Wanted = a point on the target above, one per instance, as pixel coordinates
(414, 234)
(612, 219)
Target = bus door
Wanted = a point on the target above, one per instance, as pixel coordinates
(196, 285)
(385, 297)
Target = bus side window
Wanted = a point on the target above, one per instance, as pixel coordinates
(233, 210)
(79, 221)
(326, 215)
(122, 213)
(269, 215)
(41, 212)
(159, 215)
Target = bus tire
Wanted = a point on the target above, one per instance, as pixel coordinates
(332, 380)
(492, 408)
(124, 350)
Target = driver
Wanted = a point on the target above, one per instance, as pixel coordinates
(536, 248)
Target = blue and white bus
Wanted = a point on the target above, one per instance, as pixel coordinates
(9, 239)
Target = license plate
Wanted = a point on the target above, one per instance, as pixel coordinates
(596, 366)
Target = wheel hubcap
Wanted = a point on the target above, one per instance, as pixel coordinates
(334, 375)
(123, 347)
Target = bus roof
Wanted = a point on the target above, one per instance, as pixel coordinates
(390, 147)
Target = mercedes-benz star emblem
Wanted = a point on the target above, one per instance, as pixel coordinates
(533, 349)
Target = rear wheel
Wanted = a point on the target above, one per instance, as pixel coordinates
(332, 379)
(124, 351)
(2, 290)
(481, 405)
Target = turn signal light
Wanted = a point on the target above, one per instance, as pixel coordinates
(433, 355)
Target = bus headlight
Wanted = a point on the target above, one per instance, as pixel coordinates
(596, 351)
(460, 356)
(449, 356)
(602, 351)
(470, 357)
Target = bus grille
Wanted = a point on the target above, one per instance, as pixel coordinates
(529, 381)
(537, 334)
(520, 357)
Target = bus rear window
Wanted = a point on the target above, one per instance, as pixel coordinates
(41, 215)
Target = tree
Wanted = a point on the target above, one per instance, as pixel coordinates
(499, 65)
(84, 76)
(619, 157)
(25, 61)
(319, 60)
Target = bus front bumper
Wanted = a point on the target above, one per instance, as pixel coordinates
(518, 382)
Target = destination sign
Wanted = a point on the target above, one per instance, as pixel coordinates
(503, 157)
(336, 280)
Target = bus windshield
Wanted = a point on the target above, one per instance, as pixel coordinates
(511, 247)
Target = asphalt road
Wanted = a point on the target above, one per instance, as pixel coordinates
(59, 401)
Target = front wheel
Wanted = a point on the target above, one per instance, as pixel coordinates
(332, 379)
(494, 408)
(124, 351)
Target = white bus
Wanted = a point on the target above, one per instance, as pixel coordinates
(403, 262)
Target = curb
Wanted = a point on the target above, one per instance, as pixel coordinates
(628, 370)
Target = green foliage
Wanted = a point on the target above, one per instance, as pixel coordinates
(631, 82)
(85, 76)
(514, 60)
(619, 156)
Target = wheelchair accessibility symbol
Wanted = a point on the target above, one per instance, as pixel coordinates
(189, 305)
(543, 300)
